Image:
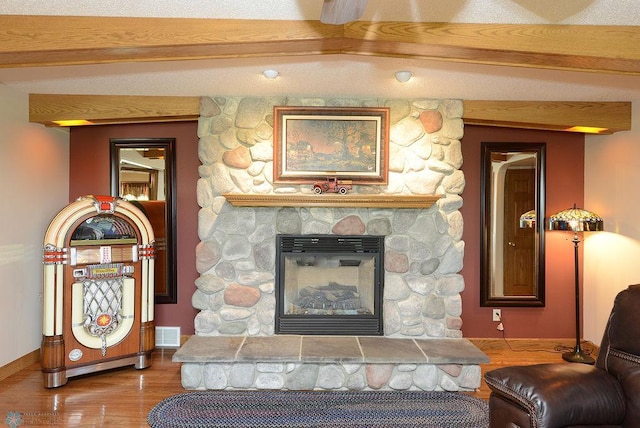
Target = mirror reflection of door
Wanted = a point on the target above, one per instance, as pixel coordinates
(142, 173)
(512, 248)
(519, 244)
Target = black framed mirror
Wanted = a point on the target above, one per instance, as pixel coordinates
(512, 222)
(143, 172)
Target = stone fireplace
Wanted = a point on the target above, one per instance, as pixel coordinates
(423, 248)
(236, 258)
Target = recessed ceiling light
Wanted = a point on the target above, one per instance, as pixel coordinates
(270, 74)
(403, 76)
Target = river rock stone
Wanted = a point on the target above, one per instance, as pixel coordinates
(396, 262)
(240, 157)
(208, 107)
(241, 375)
(214, 376)
(241, 295)
(378, 375)
(350, 225)
(431, 120)
(207, 255)
(251, 112)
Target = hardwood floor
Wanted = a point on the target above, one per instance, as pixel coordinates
(516, 352)
(124, 397)
(120, 397)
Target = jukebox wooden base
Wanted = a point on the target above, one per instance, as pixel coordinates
(98, 290)
(56, 373)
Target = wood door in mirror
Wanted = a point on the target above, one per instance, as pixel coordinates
(512, 216)
(143, 172)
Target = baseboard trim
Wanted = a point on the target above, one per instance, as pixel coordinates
(19, 364)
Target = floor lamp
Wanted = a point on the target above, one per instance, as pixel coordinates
(576, 220)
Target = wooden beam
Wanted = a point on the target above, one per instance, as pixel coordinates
(611, 49)
(29, 41)
(111, 109)
(611, 117)
(108, 109)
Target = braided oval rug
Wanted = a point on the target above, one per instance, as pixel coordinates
(336, 409)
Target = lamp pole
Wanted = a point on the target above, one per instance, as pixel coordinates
(577, 356)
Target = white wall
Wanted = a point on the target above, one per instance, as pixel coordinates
(34, 186)
(612, 189)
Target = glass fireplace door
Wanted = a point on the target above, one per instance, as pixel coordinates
(329, 284)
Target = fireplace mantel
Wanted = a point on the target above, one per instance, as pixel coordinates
(331, 201)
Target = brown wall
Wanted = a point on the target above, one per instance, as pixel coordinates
(90, 174)
(564, 186)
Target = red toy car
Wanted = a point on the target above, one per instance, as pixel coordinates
(332, 185)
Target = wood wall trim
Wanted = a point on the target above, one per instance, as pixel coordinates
(112, 109)
(549, 115)
(28, 41)
(109, 109)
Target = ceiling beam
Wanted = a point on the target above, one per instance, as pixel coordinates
(549, 115)
(110, 109)
(601, 117)
(610, 49)
(29, 41)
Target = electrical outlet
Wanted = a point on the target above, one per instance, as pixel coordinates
(497, 315)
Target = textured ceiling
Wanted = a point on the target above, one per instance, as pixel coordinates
(334, 75)
(597, 12)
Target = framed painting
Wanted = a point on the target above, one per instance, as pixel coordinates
(313, 143)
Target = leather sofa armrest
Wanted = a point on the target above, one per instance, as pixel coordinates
(561, 394)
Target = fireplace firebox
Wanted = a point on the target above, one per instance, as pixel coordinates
(329, 284)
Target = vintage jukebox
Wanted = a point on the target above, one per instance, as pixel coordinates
(98, 289)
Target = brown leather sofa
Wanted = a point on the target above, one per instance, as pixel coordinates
(606, 394)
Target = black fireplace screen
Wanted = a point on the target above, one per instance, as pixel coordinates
(329, 284)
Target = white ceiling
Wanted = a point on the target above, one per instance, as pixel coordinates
(328, 75)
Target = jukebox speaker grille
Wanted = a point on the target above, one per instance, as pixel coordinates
(103, 303)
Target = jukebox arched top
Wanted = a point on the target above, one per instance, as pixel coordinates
(101, 222)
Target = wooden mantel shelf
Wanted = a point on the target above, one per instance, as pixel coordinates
(331, 200)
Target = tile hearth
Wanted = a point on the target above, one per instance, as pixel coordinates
(329, 362)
